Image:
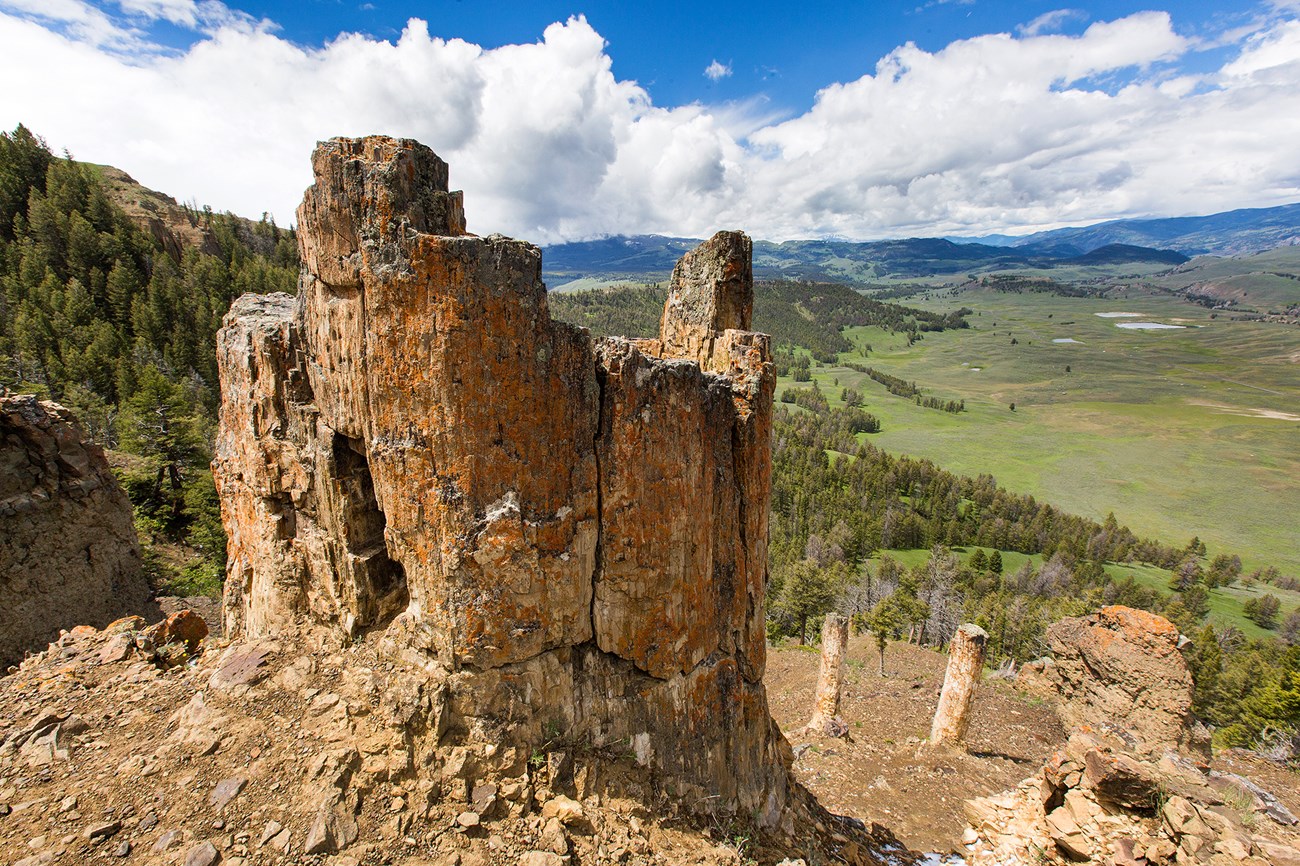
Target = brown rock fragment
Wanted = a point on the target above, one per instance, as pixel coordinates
(184, 626)
(203, 854)
(1121, 780)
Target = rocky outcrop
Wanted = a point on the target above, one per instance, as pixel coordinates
(559, 538)
(1096, 801)
(68, 549)
(1120, 669)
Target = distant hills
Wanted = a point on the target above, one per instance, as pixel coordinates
(651, 257)
(1231, 233)
(1150, 242)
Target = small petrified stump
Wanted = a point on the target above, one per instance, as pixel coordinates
(965, 665)
(826, 719)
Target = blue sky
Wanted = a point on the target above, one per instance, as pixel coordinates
(782, 53)
(573, 120)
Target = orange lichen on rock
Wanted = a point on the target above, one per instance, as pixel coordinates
(554, 530)
(1120, 669)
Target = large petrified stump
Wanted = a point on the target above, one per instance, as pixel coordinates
(555, 532)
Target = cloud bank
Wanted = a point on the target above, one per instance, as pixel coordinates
(995, 133)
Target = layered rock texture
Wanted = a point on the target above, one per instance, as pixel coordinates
(1120, 669)
(68, 549)
(1095, 801)
(564, 537)
(1129, 787)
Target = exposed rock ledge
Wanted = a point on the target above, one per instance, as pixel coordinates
(68, 549)
(560, 535)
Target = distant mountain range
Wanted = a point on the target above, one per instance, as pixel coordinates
(651, 257)
(1146, 243)
(1232, 233)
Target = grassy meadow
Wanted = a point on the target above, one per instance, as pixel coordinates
(1178, 432)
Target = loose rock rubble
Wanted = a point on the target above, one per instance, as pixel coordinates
(1132, 786)
(1097, 802)
(267, 752)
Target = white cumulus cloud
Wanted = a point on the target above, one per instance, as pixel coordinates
(994, 133)
(716, 71)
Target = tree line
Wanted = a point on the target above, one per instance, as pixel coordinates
(97, 315)
(902, 388)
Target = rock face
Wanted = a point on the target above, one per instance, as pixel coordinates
(1120, 669)
(68, 549)
(555, 533)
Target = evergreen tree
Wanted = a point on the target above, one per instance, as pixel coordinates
(995, 562)
(886, 621)
(159, 423)
(1263, 611)
(807, 591)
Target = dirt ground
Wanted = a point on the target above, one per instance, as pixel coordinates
(882, 773)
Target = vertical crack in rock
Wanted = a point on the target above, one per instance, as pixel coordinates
(380, 581)
(569, 532)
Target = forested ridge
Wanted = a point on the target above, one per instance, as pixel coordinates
(799, 314)
(95, 314)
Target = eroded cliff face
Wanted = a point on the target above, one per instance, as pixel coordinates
(555, 533)
(68, 549)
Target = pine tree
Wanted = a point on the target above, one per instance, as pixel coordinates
(158, 423)
(995, 562)
(807, 592)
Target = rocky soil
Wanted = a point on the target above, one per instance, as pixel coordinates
(117, 751)
(881, 772)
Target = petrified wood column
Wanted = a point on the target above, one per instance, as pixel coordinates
(965, 665)
(826, 703)
(553, 531)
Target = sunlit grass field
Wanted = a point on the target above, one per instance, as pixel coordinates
(1182, 432)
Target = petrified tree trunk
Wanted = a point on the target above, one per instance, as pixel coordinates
(548, 529)
(826, 703)
(965, 664)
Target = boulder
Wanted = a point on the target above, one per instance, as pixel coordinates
(1120, 670)
(68, 550)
